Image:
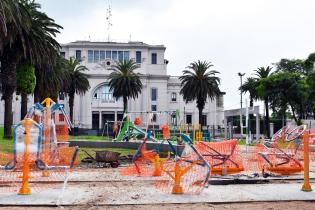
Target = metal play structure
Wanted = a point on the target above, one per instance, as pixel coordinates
(37, 154)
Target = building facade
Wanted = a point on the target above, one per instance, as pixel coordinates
(160, 91)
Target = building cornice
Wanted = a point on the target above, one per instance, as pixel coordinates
(114, 45)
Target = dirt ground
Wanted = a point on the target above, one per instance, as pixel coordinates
(292, 205)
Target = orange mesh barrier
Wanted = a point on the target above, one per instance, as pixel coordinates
(224, 157)
(282, 159)
(185, 175)
(62, 133)
(148, 163)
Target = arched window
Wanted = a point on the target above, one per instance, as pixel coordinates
(103, 94)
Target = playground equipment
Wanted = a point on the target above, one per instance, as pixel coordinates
(149, 162)
(281, 155)
(137, 129)
(188, 174)
(38, 154)
(224, 157)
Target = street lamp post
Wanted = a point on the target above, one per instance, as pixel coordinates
(241, 113)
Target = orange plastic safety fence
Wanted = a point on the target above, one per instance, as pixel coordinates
(283, 159)
(148, 163)
(224, 157)
(62, 133)
(185, 175)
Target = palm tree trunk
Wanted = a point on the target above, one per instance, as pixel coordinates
(23, 105)
(267, 118)
(125, 104)
(71, 103)
(200, 116)
(8, 117)
(8, 70)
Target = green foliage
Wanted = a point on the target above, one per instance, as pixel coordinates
(25, 78)
(124, 82)
(197, 83)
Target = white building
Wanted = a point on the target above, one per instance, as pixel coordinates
(160, 91)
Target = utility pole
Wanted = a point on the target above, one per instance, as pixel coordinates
(241, 113)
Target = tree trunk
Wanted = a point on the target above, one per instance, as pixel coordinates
(8, 69)
(200, 106)
(267, 118)
(71, 103)
(125, 104)
(200, 116)
(23, 105)
(8, 117)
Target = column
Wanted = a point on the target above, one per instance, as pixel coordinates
(225, 127)
(100, 126)
(257, 127)
(115, 116)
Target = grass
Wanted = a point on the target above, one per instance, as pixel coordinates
(91, 151)
(90, 138)
(243, 142)
(6, 145)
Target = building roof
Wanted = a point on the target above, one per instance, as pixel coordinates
(130, 44)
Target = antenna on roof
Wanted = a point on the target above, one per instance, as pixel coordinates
(108, 19)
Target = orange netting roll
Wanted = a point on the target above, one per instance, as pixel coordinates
(224, 157)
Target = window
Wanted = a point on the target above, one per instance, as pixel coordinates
(126, 55)
(153, 94)
(219, 101)
(204, 120)
(188, 118)
(154, 108)
(138, 57)
(63, 54)
(78, 55)
(120, 55)
(173, 96)
(96, 56)
(90, 56)
(114, 55)
(108, 54)
(153, 58)
(102, 55)
(103, 94)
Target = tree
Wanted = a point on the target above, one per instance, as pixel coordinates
(197, 83)
(30, 38)
(26, 81)
(78, 81)
(124, 82)
(250, 86)
(50, 81)
(262, 74)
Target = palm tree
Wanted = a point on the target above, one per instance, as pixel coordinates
(261, 74)
(50, 81)
(124, 82)
(199, 84)
(78, 81)
(250, 86)
(32, 39)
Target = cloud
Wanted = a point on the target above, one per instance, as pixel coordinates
(236, 36)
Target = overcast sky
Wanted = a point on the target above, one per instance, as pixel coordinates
(236, 36)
